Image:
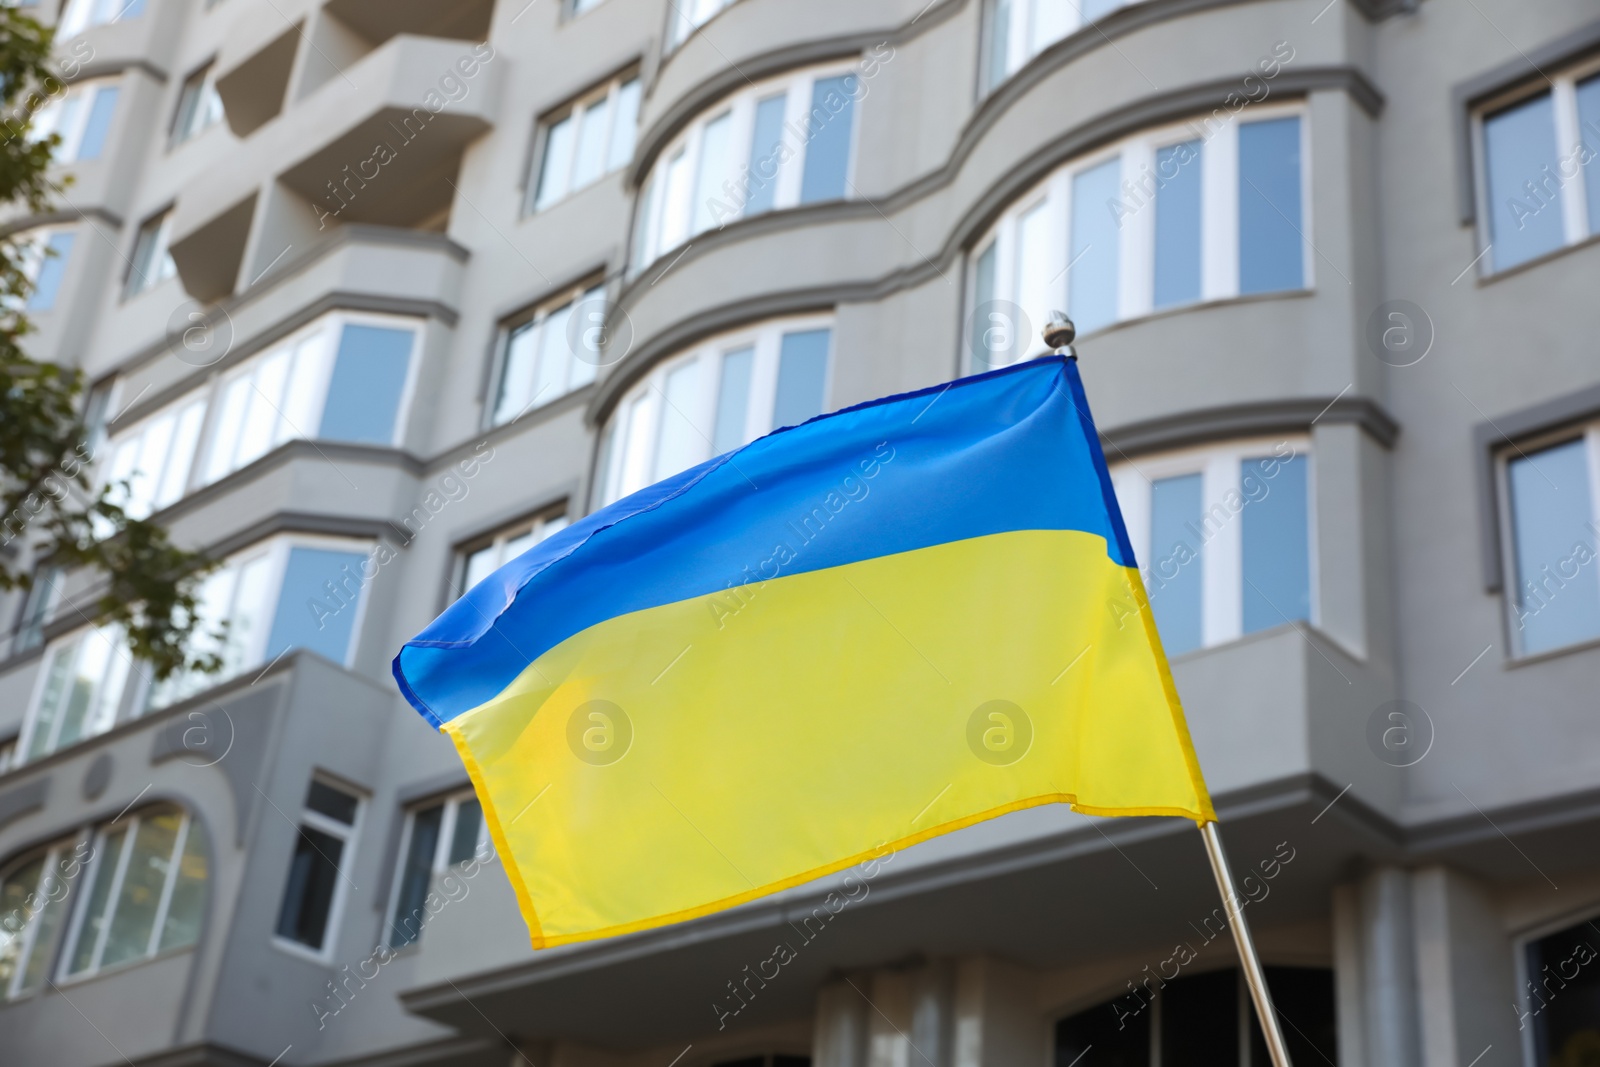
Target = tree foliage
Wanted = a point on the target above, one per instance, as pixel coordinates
(51, 509)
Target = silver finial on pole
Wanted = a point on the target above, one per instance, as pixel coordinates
(1058, 334)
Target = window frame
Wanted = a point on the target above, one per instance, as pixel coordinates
(35, 254)
(539, 522)
(1136, 253)
(179, 132)
(1222, 583)
(1527, 1042)
(213, 394)
(176, 411)
(52, 852)
(767, 1054)
(79, 15)
(440, 864)
(681, 27)
(88, 92)
(331, 326)
(1576, 225)
(765, 337)
(163, 268)
(37, 609)
(139, 695)
(276, 551)
(79, 917)
(1019, 46)
(1589, 433)
(120, 709)
(610, 91)
(797, 86)
(533, 318)
(1246, 1024)
(348, 837)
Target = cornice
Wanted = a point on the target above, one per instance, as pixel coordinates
(1295, 415)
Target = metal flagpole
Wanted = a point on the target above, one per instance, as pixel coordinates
(1058, 335)
(1253, 974)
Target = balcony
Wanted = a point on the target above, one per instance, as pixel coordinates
(253, 78)
(379, 142)
(375, 268)
(146, 38)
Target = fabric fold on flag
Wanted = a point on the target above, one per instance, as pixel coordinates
(885, 624)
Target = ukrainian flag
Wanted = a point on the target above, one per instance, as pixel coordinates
(855, 634)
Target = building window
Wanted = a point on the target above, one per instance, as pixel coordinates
(785, 141)
(33, 902)
(1017, 30)
(43, 254)
(146, 892)
(1539, 191)
(80, 690)
(152, 262)
(481, 558)
(1209, 1012)
(8, 753)
(768, 1059)
(37, 606)
(437, 836)
(1555, 536)
(586, 140)
(1225, 536)
(313, 894)
(345, 378)
(97, 412)
(79, 15)
(81, 117)
(199, 105)
(150, 462)
(1175, 216)
(690, 15)
(1561, 988)
(295, 592)
(549, 353)
(283, 594)
(723, 394)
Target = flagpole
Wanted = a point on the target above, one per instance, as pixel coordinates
(1253, 974)
(1058, 335)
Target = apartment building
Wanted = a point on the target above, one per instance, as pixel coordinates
(374, 294)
